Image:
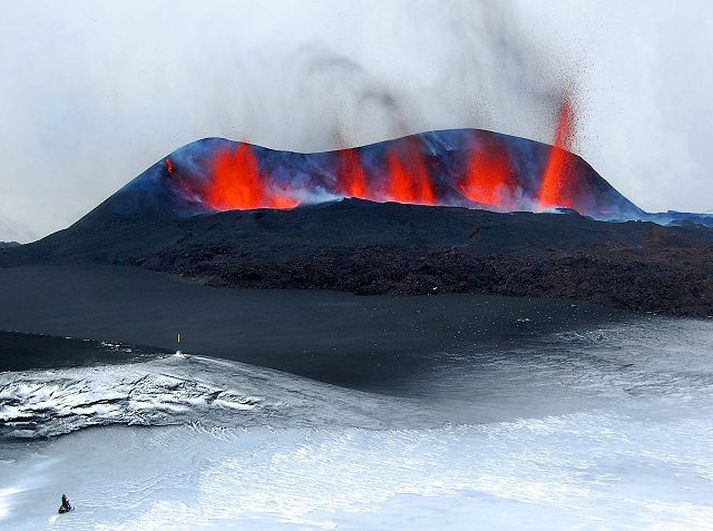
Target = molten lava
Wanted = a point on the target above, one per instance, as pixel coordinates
(351, 179)
(489, 178)
(237, 184)
(408, 178)
(557, 187)
(449, 168)
(169, 167)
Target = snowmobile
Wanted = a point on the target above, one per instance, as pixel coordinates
(65, 506)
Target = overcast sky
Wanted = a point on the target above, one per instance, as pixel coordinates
(92, 93)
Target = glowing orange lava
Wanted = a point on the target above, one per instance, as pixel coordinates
(556, 187)
(351, 178)
(237, 183)
(408, 178)
(489, 178)
(169, 166)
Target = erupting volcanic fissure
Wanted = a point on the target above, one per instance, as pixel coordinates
(238, 184)
(351, 179)
(557, 188)
(408, 179)
(488, 178)
(466, 167)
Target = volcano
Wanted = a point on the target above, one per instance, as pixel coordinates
(461, 167)
(464, 211)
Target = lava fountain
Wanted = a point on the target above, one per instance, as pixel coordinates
(558, 188)
(408, 177)
(236, 183)
(460, 167)
(351, 178)
(489, 178)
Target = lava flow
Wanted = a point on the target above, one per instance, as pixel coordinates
(237, 184)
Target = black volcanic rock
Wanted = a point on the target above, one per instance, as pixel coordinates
(371, 248)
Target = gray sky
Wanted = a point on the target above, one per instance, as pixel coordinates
(92, 93)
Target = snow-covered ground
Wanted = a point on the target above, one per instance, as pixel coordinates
(609, 428)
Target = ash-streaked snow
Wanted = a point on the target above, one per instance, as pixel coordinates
(175, 389)
(606, 428)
